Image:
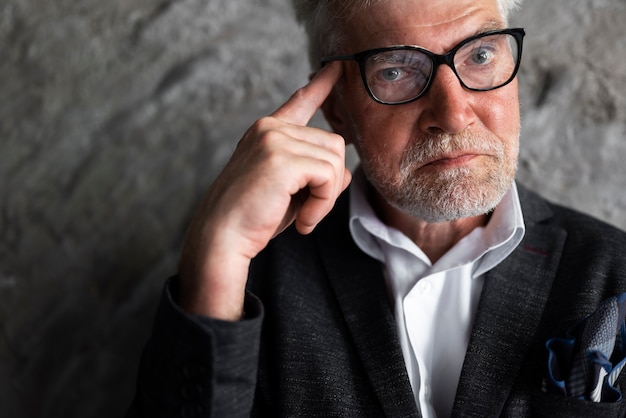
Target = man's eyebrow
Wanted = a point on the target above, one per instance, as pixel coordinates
(489, 26)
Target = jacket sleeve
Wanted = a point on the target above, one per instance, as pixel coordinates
(195, 366)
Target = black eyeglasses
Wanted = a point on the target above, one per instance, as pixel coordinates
(402, 74)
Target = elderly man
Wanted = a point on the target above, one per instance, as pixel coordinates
(430, 286)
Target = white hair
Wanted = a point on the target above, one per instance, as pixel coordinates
(319, 18)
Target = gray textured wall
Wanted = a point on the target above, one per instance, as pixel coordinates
(114, 117)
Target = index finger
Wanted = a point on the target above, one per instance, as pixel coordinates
(303, 104)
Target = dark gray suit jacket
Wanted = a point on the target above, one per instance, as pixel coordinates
(323, 341)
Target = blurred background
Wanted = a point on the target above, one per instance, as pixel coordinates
(115, 116)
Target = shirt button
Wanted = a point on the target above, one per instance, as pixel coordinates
(424, 286)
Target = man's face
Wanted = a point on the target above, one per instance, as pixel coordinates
(452, 153)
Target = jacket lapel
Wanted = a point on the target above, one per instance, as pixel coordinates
(511, 305)
(360, 288)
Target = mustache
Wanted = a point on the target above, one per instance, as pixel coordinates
(433, 146)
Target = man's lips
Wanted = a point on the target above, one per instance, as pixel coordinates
(453, 159)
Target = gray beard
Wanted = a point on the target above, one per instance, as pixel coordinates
(450, 194)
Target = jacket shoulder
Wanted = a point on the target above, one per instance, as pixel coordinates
(579, 226)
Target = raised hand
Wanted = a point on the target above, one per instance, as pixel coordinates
(282, 171)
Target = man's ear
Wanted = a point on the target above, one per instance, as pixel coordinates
(335, 114)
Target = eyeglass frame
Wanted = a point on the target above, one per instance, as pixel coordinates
(436, 59)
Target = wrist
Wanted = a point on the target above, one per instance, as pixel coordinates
(214, 284)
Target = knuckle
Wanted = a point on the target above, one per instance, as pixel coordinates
(337, 144)
(336, 156)
(263, 124)
(329, 172)
(270, 142)
(300, 94)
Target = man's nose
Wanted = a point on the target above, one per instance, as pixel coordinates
(447, 105)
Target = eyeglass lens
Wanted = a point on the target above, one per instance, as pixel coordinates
(401, 75)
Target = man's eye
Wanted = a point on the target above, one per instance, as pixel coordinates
(482, 56)
(391, 74)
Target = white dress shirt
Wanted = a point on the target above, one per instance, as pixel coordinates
(435, 304)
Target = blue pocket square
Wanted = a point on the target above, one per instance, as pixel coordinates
(586, 363)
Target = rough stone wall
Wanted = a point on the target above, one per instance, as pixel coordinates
(573, 93)
(114, 117)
